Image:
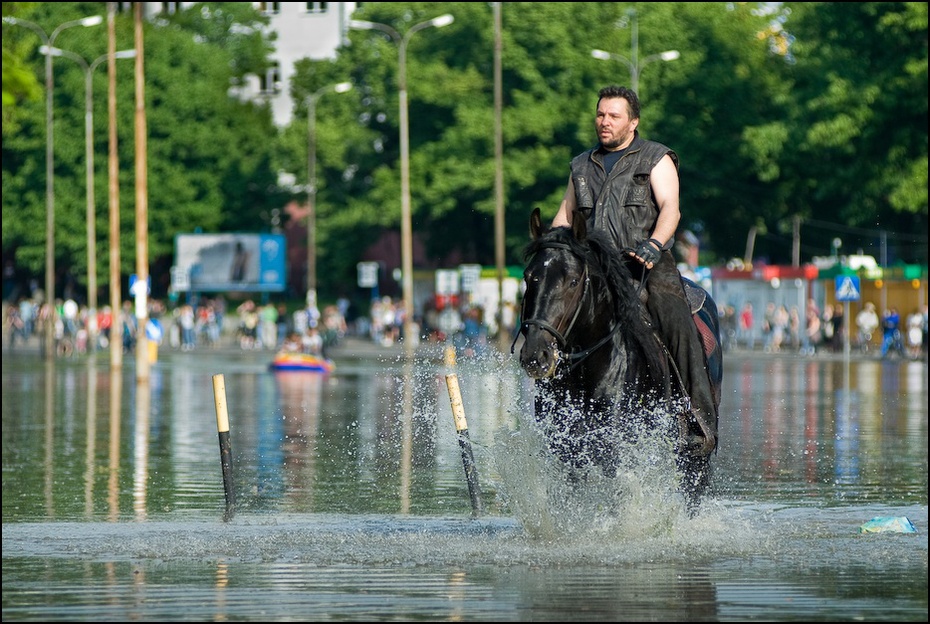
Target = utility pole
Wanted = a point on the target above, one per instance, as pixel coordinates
(142, 229)
(499, 223)
(116, 295)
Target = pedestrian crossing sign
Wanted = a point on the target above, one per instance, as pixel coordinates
(847, 288)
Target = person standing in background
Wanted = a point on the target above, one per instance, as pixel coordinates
(866, 324)
(747, 327)
(891, 332)
(837, 322)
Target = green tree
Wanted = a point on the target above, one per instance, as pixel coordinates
(550, 84)
(208, 155)
(778, 111)
(857, 131)
(19, 82)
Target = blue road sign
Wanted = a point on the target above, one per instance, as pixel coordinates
(847, 288)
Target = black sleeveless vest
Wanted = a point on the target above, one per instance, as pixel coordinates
(620, 202)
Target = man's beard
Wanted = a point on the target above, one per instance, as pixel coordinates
(615, 143)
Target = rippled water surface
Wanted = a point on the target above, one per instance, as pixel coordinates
(348, 498)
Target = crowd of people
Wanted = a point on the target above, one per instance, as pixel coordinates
(71, 324)
(186, 326)
(781, 329)
(271, 326)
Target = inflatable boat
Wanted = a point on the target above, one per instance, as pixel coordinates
(301, 362)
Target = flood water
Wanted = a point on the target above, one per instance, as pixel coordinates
(349, 498)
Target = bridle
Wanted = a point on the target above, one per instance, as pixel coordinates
(575, 357)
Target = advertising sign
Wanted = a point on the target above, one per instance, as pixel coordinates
(229, 263)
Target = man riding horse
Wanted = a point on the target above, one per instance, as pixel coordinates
(629, 187)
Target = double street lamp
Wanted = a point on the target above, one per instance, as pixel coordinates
(406, 228)
(89, 157)
(634, 64)
(340, 87)
(49, 41)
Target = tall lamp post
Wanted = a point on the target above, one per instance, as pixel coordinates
(49, 41)
(406, 228)
(340, 87)
(633, 63)
(89, 158)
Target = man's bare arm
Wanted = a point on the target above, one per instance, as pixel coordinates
(564, 216)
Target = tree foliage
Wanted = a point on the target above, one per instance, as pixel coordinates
(19, 82)
(207, 158)
(858, 124)
(778, 111)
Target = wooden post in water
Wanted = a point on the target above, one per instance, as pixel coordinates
(222, 428)
(468, 458)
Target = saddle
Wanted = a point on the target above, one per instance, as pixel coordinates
(695, 294)
(704, 312)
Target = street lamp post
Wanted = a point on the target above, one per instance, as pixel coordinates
(89, 158)
(633, 63)
(340, 87)
(406, 228)
(49, 41)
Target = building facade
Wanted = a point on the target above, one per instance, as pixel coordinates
(313, 30)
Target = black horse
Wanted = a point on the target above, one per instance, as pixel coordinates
(602, 374)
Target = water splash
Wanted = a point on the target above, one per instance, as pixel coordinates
(640, 505)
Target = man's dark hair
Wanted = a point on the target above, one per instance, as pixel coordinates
(627, 94)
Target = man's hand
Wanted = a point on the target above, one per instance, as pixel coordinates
(648, 252)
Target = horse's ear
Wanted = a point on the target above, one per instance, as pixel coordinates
(536, 226)
(579, 225)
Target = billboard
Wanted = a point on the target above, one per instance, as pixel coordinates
(229, 262)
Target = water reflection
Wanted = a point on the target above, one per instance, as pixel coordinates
(49, 438)
(141, 447)
(90, 439)
(353, 495)
(116, 399)
(808, 433)
(301, 395)
(382, 438)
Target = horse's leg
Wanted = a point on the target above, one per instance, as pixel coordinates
(605, 452)
(559, 418)
(694, 472)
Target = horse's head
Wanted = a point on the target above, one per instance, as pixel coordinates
(557, 282)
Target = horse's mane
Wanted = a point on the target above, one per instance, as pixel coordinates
(609, 266)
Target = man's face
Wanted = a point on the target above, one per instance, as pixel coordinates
(613, 124)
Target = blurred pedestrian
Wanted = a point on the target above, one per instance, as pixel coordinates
(747, 327)
(838, 328)
(891, 333)
(915, 334)
(866, 324)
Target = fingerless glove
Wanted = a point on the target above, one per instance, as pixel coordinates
(650, 251)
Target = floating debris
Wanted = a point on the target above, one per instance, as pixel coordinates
(888, 524)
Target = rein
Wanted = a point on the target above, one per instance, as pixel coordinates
(575, 357)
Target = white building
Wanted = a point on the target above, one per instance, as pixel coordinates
(305, 30)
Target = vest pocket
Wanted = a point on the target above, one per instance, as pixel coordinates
(638, 192)
(583, 196)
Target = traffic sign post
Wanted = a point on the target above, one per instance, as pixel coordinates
(140, 291)
(368, 277)
(847, 289)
